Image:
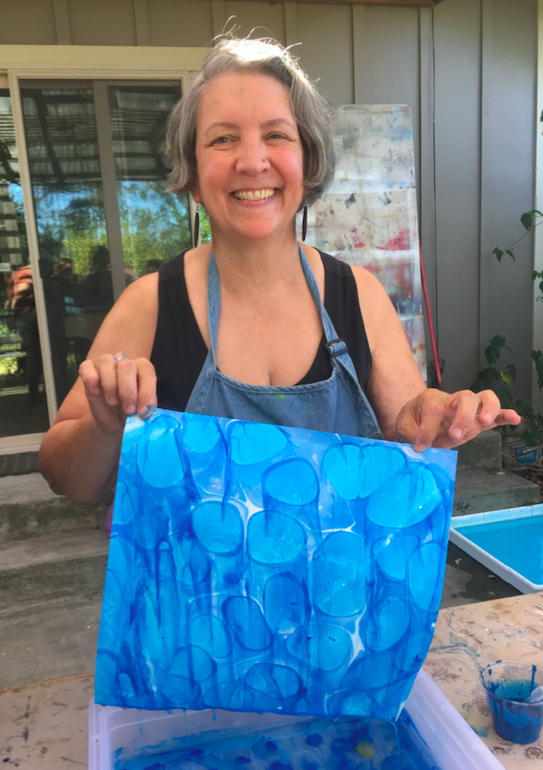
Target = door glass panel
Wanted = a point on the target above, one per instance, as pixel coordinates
(67, 157)
(155, 224)
(62, 145)
(23, 406)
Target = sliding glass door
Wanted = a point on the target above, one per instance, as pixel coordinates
(103, 215)
(23, 407)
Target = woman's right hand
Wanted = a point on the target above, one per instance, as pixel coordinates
(117, 386)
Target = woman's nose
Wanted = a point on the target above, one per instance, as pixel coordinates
(252, 157)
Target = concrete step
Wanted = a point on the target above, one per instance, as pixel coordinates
(48, 639)
(478, 491)
(29, 508)
(484, 452)
(52, 566)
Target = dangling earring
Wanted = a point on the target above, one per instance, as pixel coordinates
(304, 222)
(196, 228)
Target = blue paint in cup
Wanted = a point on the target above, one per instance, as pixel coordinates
(507, 685)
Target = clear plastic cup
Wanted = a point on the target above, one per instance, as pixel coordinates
(507, 684)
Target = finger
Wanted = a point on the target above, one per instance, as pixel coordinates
(464, 415)
(147, 396)
(506, 417)
(489, 407)
(127, 385)
(90, 378)
(432, 410)
(108, 379)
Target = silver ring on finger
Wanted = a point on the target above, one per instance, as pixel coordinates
(119, 357)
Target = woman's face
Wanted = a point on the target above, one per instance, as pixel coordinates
(249, 157)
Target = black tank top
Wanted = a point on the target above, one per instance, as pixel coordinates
(179, 350)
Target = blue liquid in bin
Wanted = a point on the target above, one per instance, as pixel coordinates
(343, 744)
(518, 543)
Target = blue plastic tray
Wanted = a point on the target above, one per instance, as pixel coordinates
(508, 542)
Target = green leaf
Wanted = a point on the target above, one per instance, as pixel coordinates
(537, 357)
(511, 254)
(541, 117)
(493, 351)
(510, 369)
(485, 379)
(524, 408)
(498, 253)
(504, 394)
(533, 436)
(528, 217)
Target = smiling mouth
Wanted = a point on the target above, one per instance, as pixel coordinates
(253, 195)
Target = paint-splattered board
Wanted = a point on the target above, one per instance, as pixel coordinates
(469, 637)
(45, 725)
(368, 216)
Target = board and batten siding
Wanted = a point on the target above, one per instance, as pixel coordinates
(466, 68)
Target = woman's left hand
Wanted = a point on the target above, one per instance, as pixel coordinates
(445, 420)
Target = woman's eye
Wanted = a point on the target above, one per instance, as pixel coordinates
(221, 140)
(277, 136)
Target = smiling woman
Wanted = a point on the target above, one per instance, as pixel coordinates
(249, 157)
(253, 325)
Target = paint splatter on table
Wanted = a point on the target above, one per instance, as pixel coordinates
(469, 637)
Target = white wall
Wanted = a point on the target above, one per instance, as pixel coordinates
(467, 69)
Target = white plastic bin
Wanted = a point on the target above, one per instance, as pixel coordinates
(113, 731)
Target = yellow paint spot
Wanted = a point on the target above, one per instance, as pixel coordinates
(365, 750)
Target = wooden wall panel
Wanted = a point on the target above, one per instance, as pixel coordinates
(27, 22)
(180, 22)
(267, 19)
(327, 53)
(387, 58)
(509, 123)
(457, 32)
(102, 22)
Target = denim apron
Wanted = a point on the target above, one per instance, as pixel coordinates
(335, 405)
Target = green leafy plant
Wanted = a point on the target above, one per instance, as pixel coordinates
(530, 221)
(500, 380)
(493, 378)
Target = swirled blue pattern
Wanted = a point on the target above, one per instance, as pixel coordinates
(260, 568)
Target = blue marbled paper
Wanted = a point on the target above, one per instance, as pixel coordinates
(259, 568)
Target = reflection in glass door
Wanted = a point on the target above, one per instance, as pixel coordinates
(63, 157)
(23, 407)
(154, 223)
(103, 213)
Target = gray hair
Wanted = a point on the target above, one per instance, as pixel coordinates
(259, 57)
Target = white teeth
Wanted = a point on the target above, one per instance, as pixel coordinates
(257, 195)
